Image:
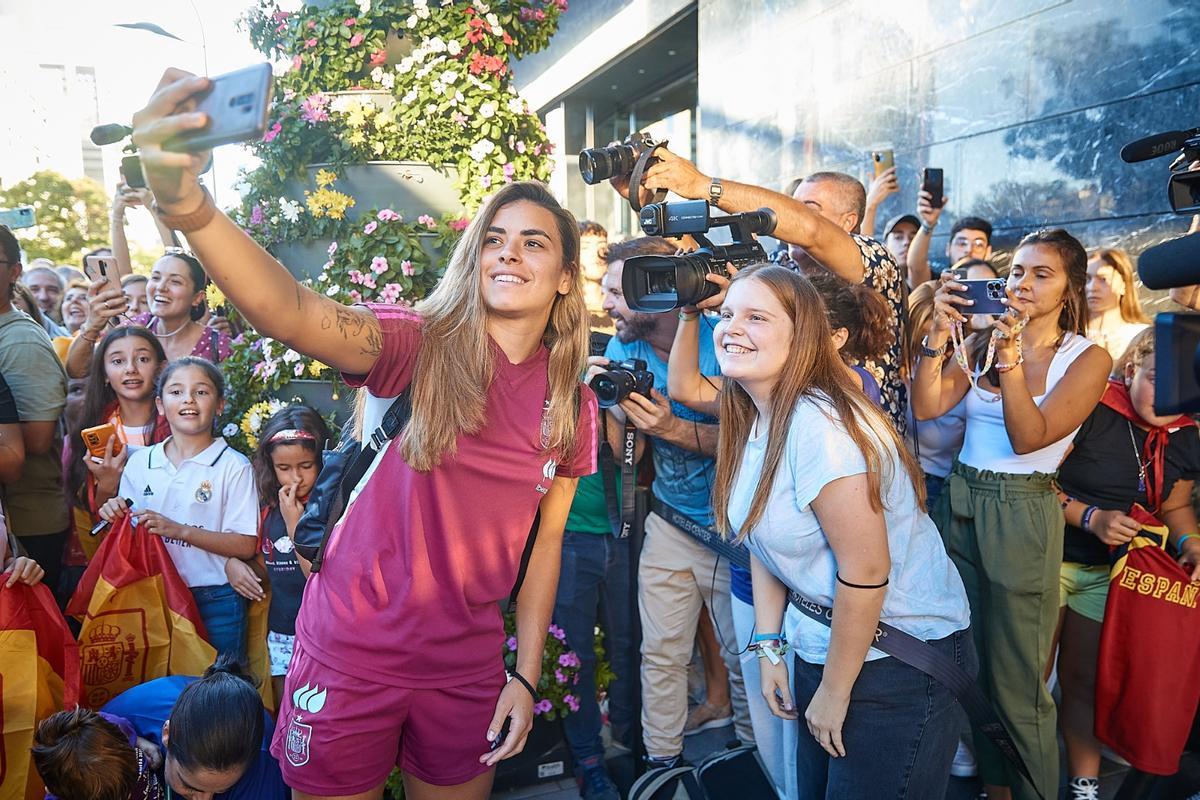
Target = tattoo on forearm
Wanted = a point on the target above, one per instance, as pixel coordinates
(299, 297)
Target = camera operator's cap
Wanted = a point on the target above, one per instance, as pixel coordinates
(911, 219)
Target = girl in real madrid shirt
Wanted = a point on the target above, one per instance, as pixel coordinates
(198, 494)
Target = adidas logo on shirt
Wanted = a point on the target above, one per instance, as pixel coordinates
(147, 492)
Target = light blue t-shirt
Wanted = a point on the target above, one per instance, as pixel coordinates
(683, 478)
(924, 596)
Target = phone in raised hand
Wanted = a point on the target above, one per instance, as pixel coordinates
(236, 105)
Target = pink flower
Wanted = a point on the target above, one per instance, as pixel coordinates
(370, 227)
(558, 633)
(299, 369)
(256, 215)
(387, 215)
(509, 171)
(568, 659)
(379, 58)
(332, 248)
(562, 4)
(485, 181)
(310, 43)
(572, 702)
(313, 110)
(427, 221)
(368, 281)
(511, 644)
(543, 706)
(274, 131)
(458, 118)
(520, 147)
(297, 61)
(406, 267)
(356, 295)
(350, 22)
(558, 676)
(312, 23)
(460, 224)
(379, 265)
(390, 293)
(355, 276)
(356, 40)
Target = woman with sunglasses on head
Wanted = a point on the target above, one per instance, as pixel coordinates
(1030, 381)
(401, 628)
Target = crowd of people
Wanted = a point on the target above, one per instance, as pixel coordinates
(883, 454)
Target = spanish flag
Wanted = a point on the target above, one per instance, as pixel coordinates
(39, 675)
(1146, 695)
(140, 621)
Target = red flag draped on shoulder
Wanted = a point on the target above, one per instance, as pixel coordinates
(1116, 396)
(140, 621)
(39, 675)
(1150, 637)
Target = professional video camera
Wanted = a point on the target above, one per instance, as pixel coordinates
(629, 158)
(1172, 264)
(661, 283)
(620, 380)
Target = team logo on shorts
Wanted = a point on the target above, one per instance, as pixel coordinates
(305, 700)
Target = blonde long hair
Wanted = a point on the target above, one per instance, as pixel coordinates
(813, 368)
(455, 364)
(1119, 260)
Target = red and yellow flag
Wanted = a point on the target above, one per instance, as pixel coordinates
(140, 621)
(39, 675)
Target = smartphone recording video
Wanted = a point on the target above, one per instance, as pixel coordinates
(236, 104)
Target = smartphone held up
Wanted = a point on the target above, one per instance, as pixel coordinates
(236, 105)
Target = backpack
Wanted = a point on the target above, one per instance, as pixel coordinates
(736, 772)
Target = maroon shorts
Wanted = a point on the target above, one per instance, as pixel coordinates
(339, 734)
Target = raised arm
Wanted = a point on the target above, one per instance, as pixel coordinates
(938, 383)
(685, 383)
(919, 270)
(881, 187)
(798, 224)
(266, 294)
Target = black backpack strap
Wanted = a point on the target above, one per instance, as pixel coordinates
(394, 419)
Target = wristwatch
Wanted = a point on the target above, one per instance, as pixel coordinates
(192, 221)
(715, 190)
(929, 352)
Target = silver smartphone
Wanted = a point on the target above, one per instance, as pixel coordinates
(236, 104)
(19, 217)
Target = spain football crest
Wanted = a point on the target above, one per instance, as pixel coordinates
(112, 655)
(305, 700)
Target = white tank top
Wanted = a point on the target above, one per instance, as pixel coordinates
(985, 442)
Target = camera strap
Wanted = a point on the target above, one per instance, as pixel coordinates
(622, 518)
(894, 642)
(635, 179)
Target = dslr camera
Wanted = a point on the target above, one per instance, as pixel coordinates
(621, 379)
(654, 283)
(597, 164)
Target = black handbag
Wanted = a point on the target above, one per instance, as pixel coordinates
(341, 470)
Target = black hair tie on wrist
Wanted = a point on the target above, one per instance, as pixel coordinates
(521, 678)
(844, 582)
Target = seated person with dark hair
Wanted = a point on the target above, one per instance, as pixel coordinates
(214, 733)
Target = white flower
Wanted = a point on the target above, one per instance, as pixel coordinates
(487, 110)
(482, 7)
(411, 22)
(274, 220)
(431, 109)
(405, 66)
(266, 349)
(377, 74)
(436, 45)
(290, 209)
(517, 105)
(364, 6)
(482, 149)
(423, 13)
(438, 88)
(324, 276)
(230, 429)
(341, 104)
(254, 421)
(388, 81)
(497, 30)
(420, 4)
(332, 290)
(242, 187)
(454, 47)
(409, 97)
(449, 76)
(291, 356)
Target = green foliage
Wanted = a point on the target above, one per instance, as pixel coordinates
(71, 214)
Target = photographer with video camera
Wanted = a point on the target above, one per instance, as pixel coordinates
(820, 222)
(1030, 381)
(401, 628)
(678, 577)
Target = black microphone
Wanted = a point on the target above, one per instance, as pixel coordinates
(1171, 264)
(102, 524)
(109, 134)
(1160, 144)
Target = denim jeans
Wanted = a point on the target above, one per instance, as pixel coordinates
(933, 489)
(900, 733)
(224, 614)
(595, 584)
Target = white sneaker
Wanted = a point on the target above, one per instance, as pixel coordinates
(963, 765)
(1083, 789)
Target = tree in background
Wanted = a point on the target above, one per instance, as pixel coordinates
(72, 215)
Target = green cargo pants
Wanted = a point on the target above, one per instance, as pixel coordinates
(1005, 533)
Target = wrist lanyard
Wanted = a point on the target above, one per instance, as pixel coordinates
(621, 519)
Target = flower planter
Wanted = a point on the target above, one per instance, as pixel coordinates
(545, 757)
(378, 98)
(306, 258)
(410, 188)
(319, 396)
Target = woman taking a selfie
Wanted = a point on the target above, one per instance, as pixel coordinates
(401, 630)
(1029, 381)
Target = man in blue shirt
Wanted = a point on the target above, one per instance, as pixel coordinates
(678, 577)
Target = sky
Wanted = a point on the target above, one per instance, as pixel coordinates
(128, 65)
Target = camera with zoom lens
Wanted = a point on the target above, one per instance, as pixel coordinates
(654, 283)
(621, 379)
(597, 164)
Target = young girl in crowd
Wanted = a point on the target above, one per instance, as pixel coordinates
(119, 390)
(197, 493)
(400, 628)
(285, 468)
(1029, 382)
(1115, 313)
(1123, 454)
(814, 478)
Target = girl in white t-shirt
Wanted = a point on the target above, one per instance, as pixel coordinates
(198, 494)
(814, 478)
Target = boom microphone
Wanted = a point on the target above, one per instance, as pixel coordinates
(1171, 264)
(109, 134)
